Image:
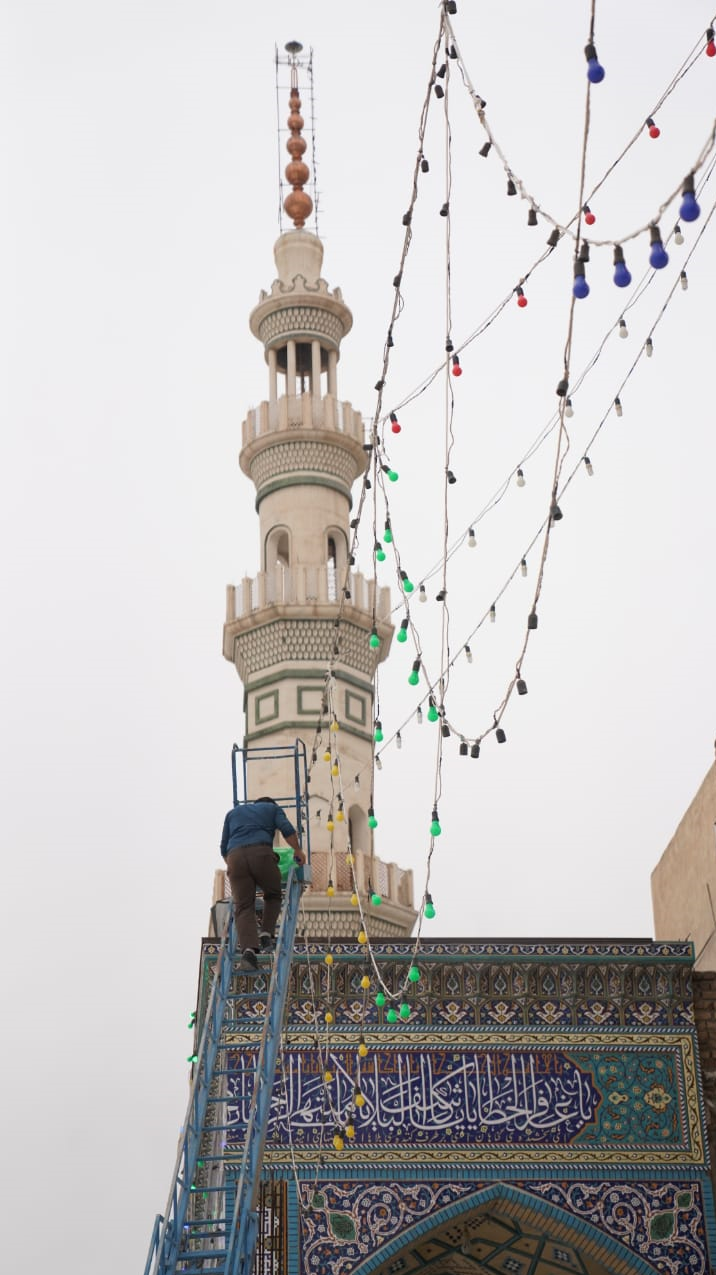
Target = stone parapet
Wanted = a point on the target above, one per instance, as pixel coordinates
(304, 586)
(301, 411)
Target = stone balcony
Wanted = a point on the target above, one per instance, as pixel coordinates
(305, 586)
(302, 411)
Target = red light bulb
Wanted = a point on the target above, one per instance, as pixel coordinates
(589, 217)
(456, 369)
(710, 43)
(394, 423)
(654, 130)
(521, 298)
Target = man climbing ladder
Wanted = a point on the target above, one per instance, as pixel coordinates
(247, 846)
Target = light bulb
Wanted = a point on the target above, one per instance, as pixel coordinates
(330, 889)
(422, 595)
(521, 298)
(394, 423)
(493, 613)
(500, 735)
(398, 740)
(623, 329)
(678, 237)
(402, 634)
(456, 369)
(388, 534)
(689, 209)
(580, 287)
(379, 552)
(468, 655)
(433, 713)
(618, 405)
(658, 256)
(588, 466)
(378, 732)
(622, 277)
(435, 828)
(471, 538)
(380, 999)
(589, 216)
(521, 686)
(405, 1010)
(372, 821)
(393, 475)
(654, 130)
(710, 43)
(392, 1015)
(568, 409)
(532, 620)
(362, 936)
(414, 974)
(374, 640)
(419, 715)
(350, 1130)
(595, 70)
(429, 909)
(523, 567)
(378, 763)
(649, 347)
(520, 478)
(356, 782)
(683, 280)
(335, 725)
(376, 899)
(408, 585)
(334, 769)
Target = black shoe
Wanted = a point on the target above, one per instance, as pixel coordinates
(248, 961)
(266, 942)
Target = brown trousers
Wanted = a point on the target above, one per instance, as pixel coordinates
(247, 867)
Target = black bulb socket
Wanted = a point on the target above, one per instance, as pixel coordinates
(532, 620)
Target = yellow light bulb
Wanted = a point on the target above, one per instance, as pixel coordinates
(359, 1099)
(363, 1050)
(365, 982)
(354, 900)
(362, 936)
(327, 756)
(340, 817)
(338, 1142)
(334, 768)
(328, 1016)
(334, 724)
(350, 860)
(330, 825)
(350, 1131)
(330, 891)
(328, 1077)
(328, 958)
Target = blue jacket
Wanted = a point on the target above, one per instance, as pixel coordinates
(254, 823)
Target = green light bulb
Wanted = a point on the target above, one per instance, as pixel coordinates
(435, 828)
(414, 974)
(405, 1010)
(372, 821)
(378, 735)
(392, 1016)
(374, 640)
(430, 909)
(376, 900)
(380, 555)
(193, 1058)
(393, 476)
(408, 586)
(401, 635)
(433, 713)
(388, 536)
(380, 1000)
(414, 677)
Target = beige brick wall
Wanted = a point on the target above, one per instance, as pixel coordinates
(683, 884)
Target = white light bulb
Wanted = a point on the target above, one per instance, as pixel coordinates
(419, 715)
(678, 237)
(623, 329)
(618, 405)
(649, 347)
(398, 740)
(492, 613)
(523, 567)
(468, 655)
(471, 538)
(683, 280)
(378, 763)
(568, 409)
(520, 478)
(356, 782)
(588, 466)
(422, 595)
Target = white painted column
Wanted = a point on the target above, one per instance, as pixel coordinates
(332, 369)
(316, 369)
(290, 367)
(273, 385)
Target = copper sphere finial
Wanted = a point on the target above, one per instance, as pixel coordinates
(298, 204)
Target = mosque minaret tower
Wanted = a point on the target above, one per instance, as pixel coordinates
(299, 632)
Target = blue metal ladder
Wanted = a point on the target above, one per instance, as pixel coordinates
(183, 1242)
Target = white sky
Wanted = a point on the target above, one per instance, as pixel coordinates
(138, 213)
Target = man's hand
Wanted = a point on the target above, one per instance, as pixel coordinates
(298, 855)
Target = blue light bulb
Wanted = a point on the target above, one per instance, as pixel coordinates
(595, 70)
(580, 287)
(658, 256)
(689, 209)
(622, 276)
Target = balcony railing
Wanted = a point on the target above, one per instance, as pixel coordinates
(302, 411)
(301, 586)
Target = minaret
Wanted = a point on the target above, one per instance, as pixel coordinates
(306, 612)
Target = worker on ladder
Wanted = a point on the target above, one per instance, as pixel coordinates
(247, 847)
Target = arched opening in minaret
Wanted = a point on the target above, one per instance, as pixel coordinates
(358, 829)
(303, 364)
(278, 550)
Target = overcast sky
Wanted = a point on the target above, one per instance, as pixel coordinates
(138, 213)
